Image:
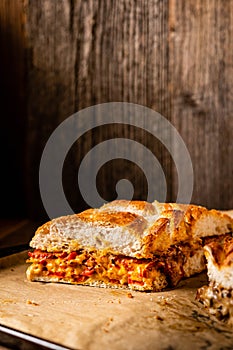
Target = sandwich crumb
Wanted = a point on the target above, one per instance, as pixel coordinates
(164, 303)
(31, 302)
(110, 319)
(130, 295)
(6, 301)
(107, 324)
(159, 318)
(110, 302)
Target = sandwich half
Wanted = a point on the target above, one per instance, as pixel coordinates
(218, 295)
(126, 244)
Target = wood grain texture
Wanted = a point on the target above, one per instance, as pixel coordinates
(16, 232)
(201, 70)
(78, 59)
(169, 55)
(13, 107)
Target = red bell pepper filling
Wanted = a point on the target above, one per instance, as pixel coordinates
(136, 270)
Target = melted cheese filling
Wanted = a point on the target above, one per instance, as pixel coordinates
(85, 267)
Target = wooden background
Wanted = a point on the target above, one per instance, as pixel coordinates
(58, 57)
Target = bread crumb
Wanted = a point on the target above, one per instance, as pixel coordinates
(159, 318)
(31, 302)
(110, 319)
(129, 295)
(107, 324)
(164, 302)
(5, 301)
(119, 301)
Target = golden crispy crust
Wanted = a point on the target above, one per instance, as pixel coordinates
(145, 207)
(192, 212)
(44, 229)
(143, 233)
(221, 252)
(106, 219)
(166, 231)
(172, 213)
(175, 224)
(109, 219)
(101, 219)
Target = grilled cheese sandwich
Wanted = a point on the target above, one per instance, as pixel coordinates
(135, 245)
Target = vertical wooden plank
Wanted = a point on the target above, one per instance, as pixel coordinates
(51, 87)
(13, 107)
(201, 56)
(83, 53)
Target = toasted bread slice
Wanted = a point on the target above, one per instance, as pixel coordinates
(138, 229)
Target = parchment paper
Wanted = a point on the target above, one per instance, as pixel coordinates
(95, 318)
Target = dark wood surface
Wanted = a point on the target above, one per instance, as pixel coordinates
(13, 108)
(169, 55)
(16, 232)
(201, 57)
